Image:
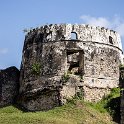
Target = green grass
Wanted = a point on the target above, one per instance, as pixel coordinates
(77, 113)
(104, 105)
(109, 104)
(74, 112)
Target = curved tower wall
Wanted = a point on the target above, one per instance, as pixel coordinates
(57, 65)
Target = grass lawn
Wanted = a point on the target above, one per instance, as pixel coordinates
(74, 112)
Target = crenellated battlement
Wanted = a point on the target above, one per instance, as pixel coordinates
(82, 32)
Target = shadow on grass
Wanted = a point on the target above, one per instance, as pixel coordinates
(21, 108)
(113, 107)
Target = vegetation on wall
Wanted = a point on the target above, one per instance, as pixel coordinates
(65, 77)
(121, 66)
(36, 68)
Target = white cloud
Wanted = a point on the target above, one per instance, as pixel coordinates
(3, 51)
(100, 21)
(116, 23)
(120, 29)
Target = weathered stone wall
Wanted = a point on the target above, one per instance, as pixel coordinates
(48, 33)
(9, 86)
(43, 99)
(54, 61)
(94, 94)
(101, 70)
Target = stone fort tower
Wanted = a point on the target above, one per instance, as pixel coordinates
(63, 60)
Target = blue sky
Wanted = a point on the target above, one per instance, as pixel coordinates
(16, 15)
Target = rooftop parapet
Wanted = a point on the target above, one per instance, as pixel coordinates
(82, 32)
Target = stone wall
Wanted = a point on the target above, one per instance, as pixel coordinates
(42, 99)
(95, 94)
(101, 67)
(9, 86)
(83, 32)
(55, 61)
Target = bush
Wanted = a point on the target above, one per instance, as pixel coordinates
(36, 68)
(65, 78)
(121, 65)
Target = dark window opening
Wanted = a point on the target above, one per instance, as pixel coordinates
(73, 36)
(75, 61)
(110, 40)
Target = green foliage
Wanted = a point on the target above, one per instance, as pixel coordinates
(110, 104)
(115, 92)
(74, 100)
(65, 78)
(79, 95)
(121, 66)
(36, 68)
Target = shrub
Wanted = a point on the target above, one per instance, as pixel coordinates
(65, 78)
(36, 68)
(121, 66)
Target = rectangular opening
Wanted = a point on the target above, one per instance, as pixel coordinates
(75, 61)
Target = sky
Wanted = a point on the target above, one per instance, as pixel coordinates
(17, 15)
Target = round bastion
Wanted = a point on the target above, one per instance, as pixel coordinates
(61, 61)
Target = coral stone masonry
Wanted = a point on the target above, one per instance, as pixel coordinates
(61, 61)
(9, 86)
